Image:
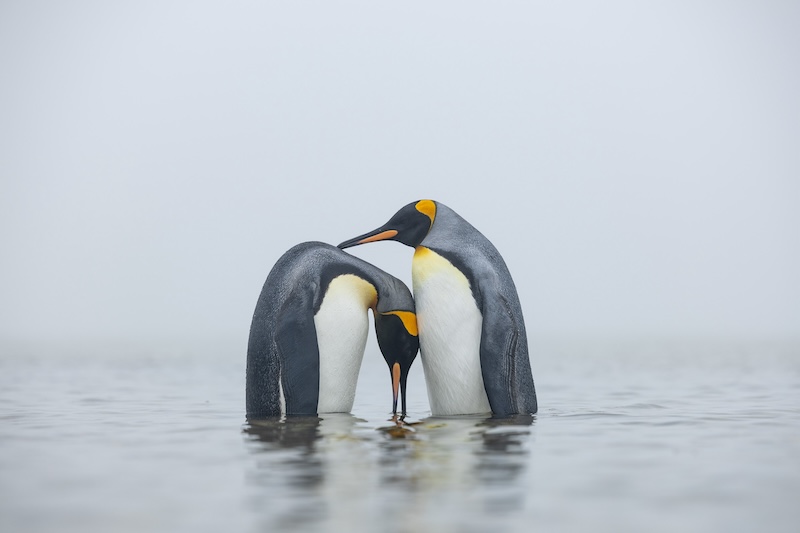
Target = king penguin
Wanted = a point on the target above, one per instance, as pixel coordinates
(310, 327)
(473, 345)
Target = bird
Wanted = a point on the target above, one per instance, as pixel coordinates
(473, 344)
(309, 331)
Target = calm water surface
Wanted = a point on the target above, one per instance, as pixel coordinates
(627, 439)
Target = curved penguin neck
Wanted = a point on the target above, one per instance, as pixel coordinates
(448, 230)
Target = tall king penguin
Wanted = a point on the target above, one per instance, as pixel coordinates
(310, 328)
(472, 336)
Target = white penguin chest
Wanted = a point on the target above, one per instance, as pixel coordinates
(450, 335)
(342, 326)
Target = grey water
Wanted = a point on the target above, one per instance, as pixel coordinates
(631, 437)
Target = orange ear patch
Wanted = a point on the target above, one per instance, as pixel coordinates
(409, 320)
(427, 207)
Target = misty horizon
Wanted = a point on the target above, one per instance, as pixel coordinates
(637, 166)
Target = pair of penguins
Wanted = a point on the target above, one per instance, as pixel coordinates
(310, 324)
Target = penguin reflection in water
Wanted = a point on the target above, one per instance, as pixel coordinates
(310, 328)
(473, 345)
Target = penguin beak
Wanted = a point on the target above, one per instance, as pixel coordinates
(380, 234)
(396, 388)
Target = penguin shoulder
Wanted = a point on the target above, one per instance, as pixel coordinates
(306, 269)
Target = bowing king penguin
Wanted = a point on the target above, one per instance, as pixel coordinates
(472, 338)
(310, 328)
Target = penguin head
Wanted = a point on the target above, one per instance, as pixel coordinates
(409, 226)
(399, 342)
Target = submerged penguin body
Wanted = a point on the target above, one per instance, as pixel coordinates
(310, 327)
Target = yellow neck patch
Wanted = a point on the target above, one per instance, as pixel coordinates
(409, 320)
(428, 208)
(350, 284)
(428, 265)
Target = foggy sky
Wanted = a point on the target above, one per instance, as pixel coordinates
(637, 164)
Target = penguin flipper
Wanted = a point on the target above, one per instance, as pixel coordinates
(499, 337)
(296, 338)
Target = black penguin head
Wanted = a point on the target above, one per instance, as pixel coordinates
(399, 343)
(409, 225)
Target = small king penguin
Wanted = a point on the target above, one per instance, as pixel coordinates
(473, 345)
(310, 327)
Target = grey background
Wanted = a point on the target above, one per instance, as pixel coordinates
(637, 164)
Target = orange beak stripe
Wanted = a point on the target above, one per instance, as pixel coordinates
(388, 234)
(395, 379)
